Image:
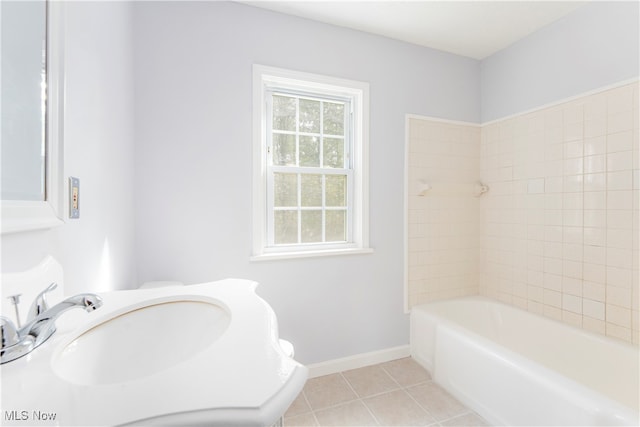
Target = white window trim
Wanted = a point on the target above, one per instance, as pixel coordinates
(264, 76)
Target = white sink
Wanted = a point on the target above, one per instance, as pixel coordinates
(203, 354)
(141, 342)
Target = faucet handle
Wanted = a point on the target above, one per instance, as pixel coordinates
(40, 303)
(8, 333)
(15, 300)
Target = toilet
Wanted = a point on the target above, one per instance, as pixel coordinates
(285, 345)
(287, 348)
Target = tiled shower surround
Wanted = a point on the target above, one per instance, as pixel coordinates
(443, 222)
(557, 232)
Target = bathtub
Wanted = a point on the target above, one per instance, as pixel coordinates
(517, 368)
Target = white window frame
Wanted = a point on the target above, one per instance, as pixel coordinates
(266, 79)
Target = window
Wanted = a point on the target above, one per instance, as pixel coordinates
(310, 165)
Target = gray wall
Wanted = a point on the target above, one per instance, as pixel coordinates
(595, 46)
(193, 65)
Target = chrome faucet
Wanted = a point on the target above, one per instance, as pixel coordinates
(40, 325)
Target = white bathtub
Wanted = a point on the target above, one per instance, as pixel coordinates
(516, 368)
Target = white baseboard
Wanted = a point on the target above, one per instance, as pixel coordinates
(358, 361)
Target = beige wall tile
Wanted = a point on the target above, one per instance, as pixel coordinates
(558, 229)
(449, 160)
(618, 316)
(593, 309)
(620, 332)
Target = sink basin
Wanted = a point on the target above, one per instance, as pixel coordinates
(202, 354)
(141, 342)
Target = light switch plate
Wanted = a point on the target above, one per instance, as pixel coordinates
(74, 197)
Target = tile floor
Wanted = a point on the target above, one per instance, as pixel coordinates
(396, 393)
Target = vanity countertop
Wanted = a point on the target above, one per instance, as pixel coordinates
(242, 378)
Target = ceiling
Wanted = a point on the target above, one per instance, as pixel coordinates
(475, 29)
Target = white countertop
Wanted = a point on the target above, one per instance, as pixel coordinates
(243, 378)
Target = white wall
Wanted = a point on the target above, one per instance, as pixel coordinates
(193, 71)
(97, 249)
(594, 46)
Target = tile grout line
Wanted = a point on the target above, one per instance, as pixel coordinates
(403, 388)
(436, 421)
(390, 376)
(360, 399)
(335, 405)
(413, 398)
(313, 413)
(469, 411)
(430, 380)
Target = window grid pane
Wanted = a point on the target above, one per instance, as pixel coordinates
(304, 118)
(333, 118)
(286, 226)
(308, 162)
(284, 112)
(284, 149)
(311, 226)
(336, 230)
(309, 151)
(311, 187)
(285, 188)
(303, 213)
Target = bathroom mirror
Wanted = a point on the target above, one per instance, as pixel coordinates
(32, 114)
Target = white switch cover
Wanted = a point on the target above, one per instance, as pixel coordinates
(74, 197)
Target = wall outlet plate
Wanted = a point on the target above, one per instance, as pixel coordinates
(74, 197)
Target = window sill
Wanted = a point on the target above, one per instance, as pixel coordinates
(309, 254)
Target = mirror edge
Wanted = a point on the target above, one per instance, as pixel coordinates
(18, 215)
